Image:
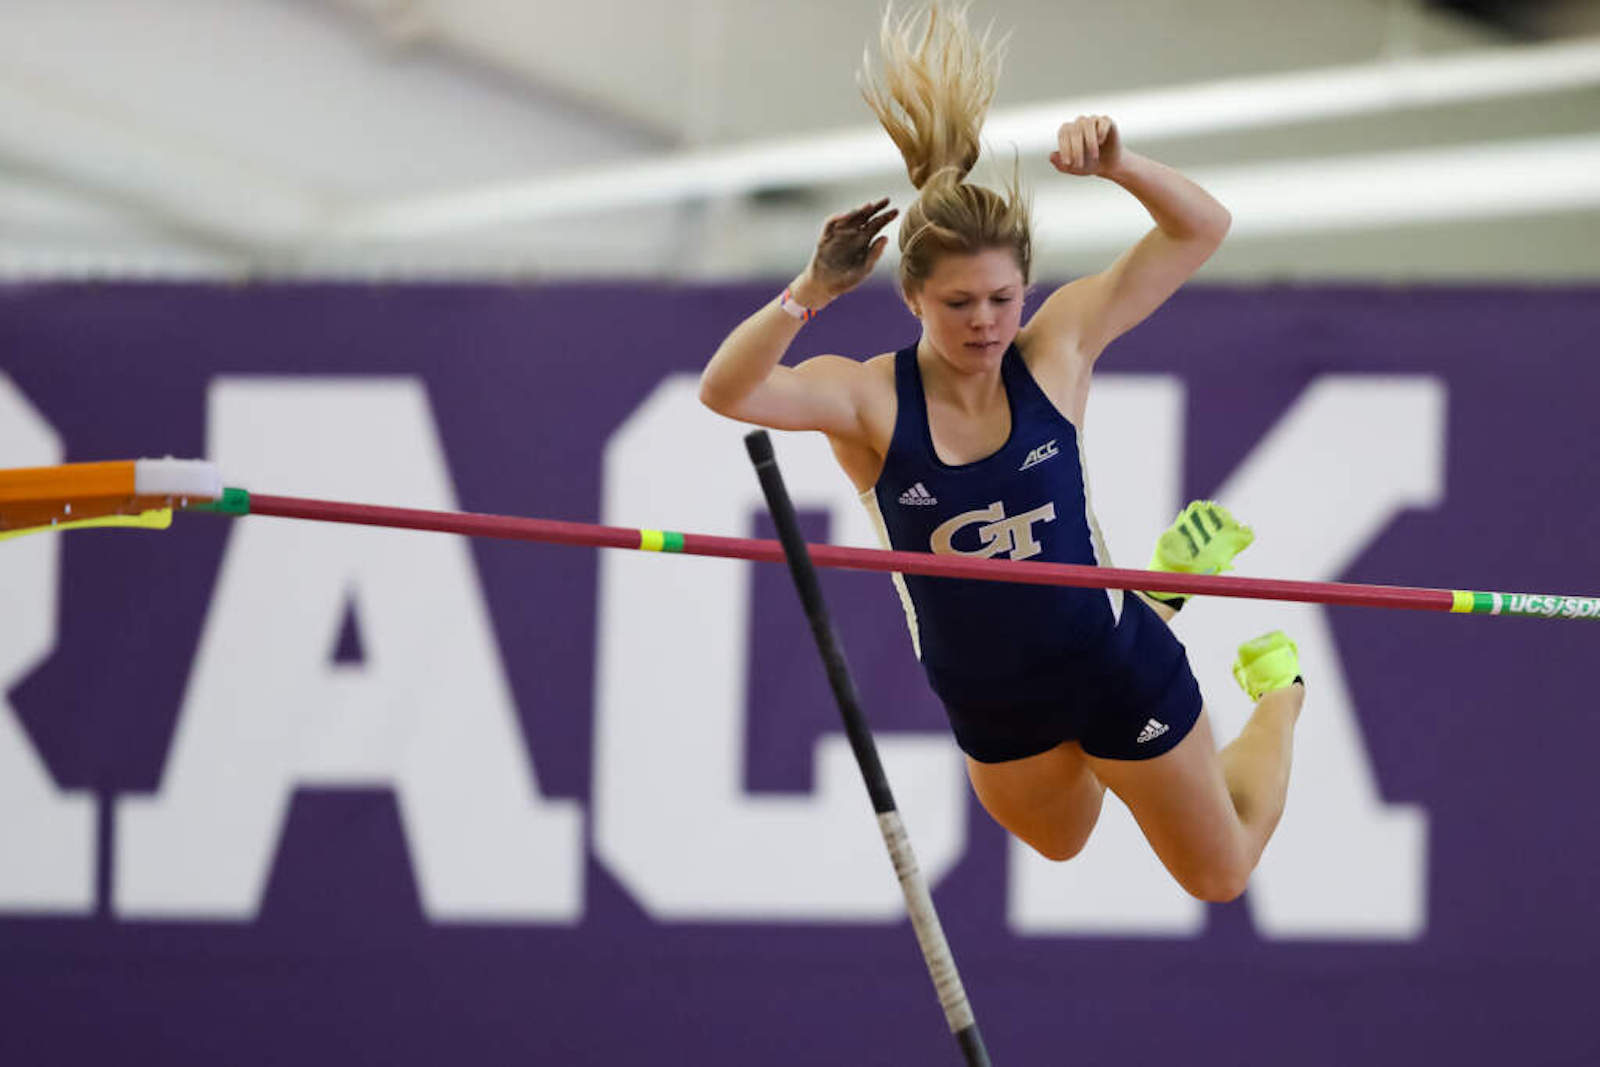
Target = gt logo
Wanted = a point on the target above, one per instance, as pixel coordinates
(998, 534)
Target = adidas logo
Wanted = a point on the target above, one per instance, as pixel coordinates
(918, 496)
(1151, 731)
(1048, 450)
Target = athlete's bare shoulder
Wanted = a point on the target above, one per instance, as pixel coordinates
(876, 408)
(879, 397)
(881, 368)
(868, 381)
(1062, 371)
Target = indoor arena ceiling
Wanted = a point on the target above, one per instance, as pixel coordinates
(706, 138)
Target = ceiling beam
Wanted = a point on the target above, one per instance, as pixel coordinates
(1225, 106)
(173, 182)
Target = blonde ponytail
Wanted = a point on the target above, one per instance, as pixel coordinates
(931, 97)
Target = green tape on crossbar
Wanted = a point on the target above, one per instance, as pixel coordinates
(232, 502)
(661, 540)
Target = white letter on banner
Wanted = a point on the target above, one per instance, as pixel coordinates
(429, 714)
(672, 820)
(1133, 445)
(47, 836)
(1335, 472)
(1342, 863)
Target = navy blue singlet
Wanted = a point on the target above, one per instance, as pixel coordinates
(1019, 667)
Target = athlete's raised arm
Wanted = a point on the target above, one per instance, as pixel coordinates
(1084, 316)
(745, 379)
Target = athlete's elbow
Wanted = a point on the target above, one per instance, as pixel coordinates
(717, 396)
(1216, 226)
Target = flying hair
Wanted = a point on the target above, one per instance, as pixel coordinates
(931, 94)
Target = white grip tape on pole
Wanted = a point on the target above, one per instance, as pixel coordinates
(925, 921)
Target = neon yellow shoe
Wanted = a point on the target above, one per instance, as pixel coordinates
(1269, 662)
(1203, 539)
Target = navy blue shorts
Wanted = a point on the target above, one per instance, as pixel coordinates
(1132, 698)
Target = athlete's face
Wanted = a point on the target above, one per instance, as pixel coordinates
(971, 308)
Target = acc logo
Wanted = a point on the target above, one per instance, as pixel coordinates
(997, 534)
(1045, 451)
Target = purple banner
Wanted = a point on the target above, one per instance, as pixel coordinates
(284, 792)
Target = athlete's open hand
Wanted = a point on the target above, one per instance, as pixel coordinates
(1087, 145)
(849, 248)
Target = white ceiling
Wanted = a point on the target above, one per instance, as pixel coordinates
(254, 137)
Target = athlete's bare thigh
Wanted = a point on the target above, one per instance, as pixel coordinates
(1181, 802)
(1051, 801)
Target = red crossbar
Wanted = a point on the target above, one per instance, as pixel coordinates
(552, 531)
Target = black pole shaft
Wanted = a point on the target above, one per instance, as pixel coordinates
(805, 580)
(919, 900)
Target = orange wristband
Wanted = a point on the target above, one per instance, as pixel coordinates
(794, 308)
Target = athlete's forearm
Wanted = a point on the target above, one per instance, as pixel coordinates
(747, 356)
(1181, 208)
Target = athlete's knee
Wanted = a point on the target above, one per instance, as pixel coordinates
(1056, 852)
(1215, 882)
(1057, 847)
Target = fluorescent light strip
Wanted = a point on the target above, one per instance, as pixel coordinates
(1351, 192)
(1308, 96)
(1341, 193)
(1235, 104)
